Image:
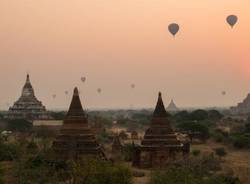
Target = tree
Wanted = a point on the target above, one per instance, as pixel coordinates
(20, 125)
(195, 129)
(241, 140)
(247, 127)
(199, 115)
(221, 152)
(182, 116)
(214, 115)
(58, 115)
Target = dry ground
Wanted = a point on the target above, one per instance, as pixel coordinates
(237, 160)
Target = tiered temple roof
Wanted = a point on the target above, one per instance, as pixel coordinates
(76, 138)
(27, 106)
(160, 135)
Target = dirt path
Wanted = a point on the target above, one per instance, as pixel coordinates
(144, 179)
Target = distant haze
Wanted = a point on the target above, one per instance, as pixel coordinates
(117, 43)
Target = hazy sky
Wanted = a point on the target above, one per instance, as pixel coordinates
(118, 42)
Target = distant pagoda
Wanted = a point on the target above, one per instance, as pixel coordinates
(76, 138)
(27, 106)
(160, 144)
(172, 107)
(242, 107)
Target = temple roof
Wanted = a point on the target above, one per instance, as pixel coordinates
(75, 111)
(172, 106)
(160, 108)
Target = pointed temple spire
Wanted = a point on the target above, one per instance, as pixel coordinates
(160, 108)
(27, 78)
(76, 138)
(75, 111)
(27, 86)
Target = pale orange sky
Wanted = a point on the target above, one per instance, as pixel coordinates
(118, 42)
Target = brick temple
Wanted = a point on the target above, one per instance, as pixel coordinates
(159, 145)
(76, 138)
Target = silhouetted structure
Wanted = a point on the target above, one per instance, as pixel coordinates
(242, 107)
(27, 106)
(172, 107)
(160, 144)
(75, 138)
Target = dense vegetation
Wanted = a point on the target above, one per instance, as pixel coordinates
(35, 162)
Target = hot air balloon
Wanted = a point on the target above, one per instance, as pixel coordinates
(223, 93)
(99, 90)
(132, 86)
(66, 92)
(232, 20)
(83, 79)
(173, 28)
(54, 96)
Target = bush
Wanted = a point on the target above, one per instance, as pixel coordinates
(138, 174)
(221, 152)
(241, 141)
(196, 152)
(218, 137)
(32, 147)
(8, 152)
